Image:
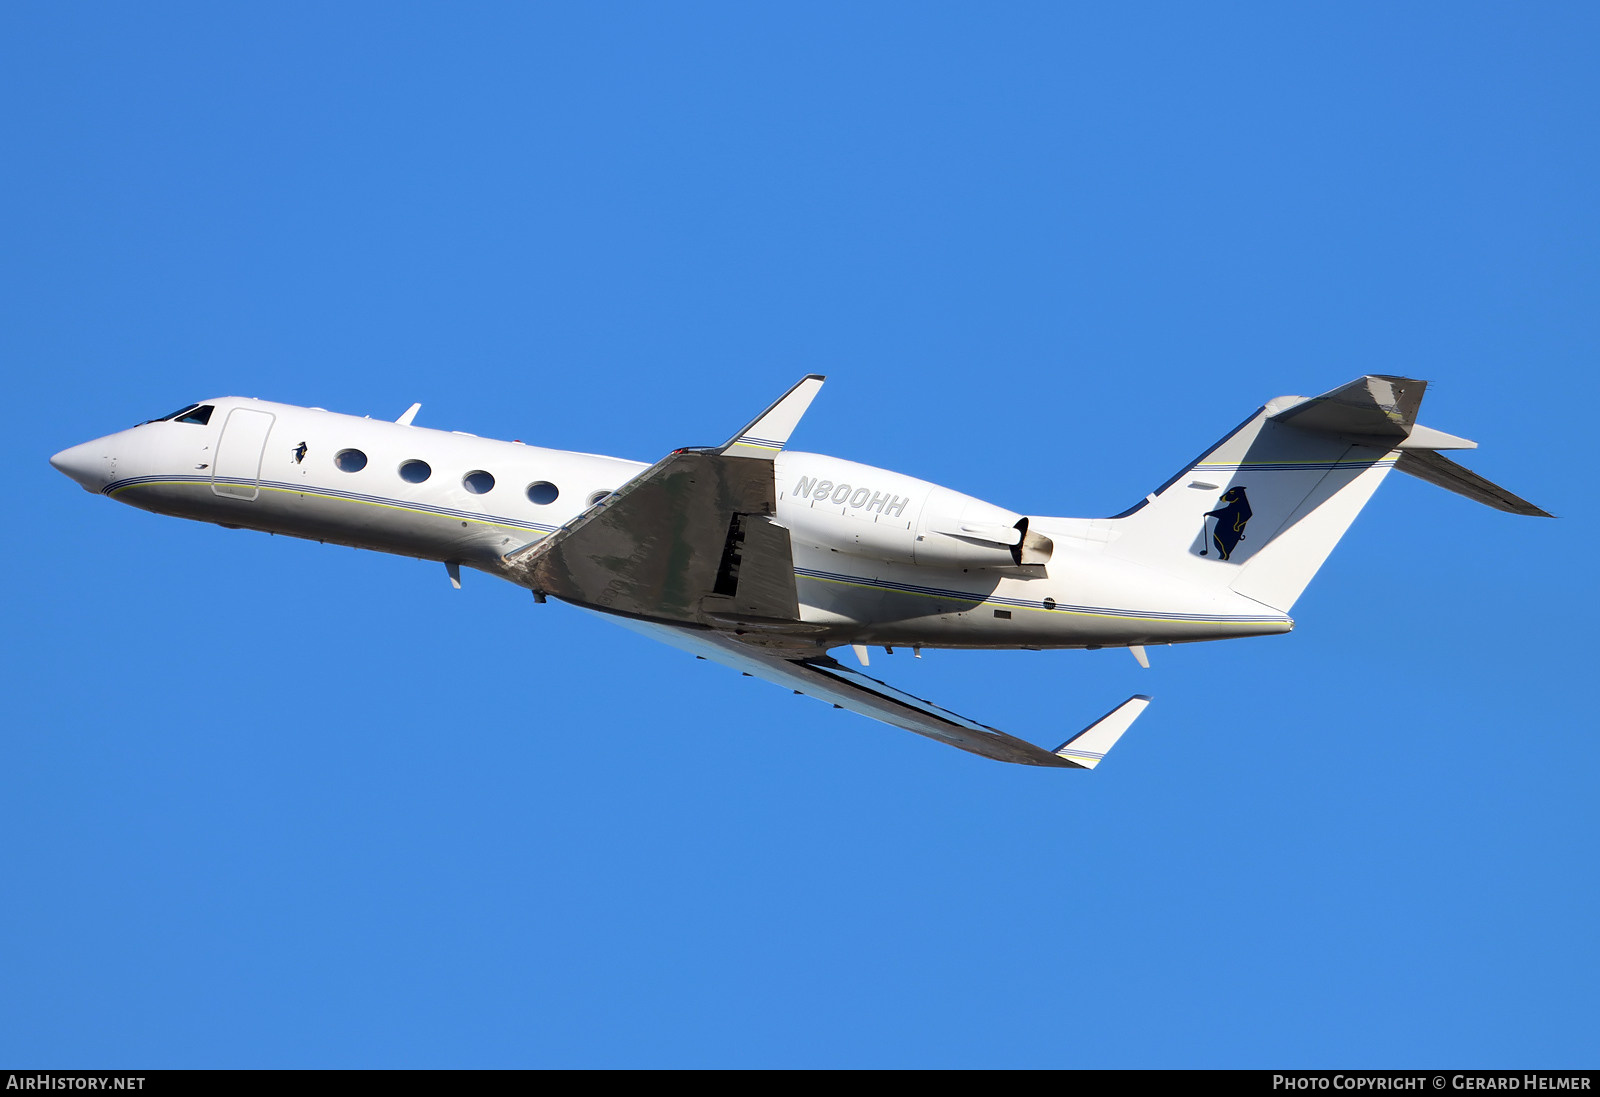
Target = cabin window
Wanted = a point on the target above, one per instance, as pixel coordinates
(543, 492)
(350, 460)
(597, 496)
(415, 472)
(479, 482)
(200, 415)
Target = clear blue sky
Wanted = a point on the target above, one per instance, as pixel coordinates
(269, 803)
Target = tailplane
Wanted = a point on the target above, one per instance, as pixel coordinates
(1262, 510)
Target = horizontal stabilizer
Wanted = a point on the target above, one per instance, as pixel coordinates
(822, 677)
(1422, 437)
(1091, 744)
(770, 430)
(1445, 473)
(1381, 407)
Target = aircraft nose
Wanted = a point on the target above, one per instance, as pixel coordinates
(86, 464)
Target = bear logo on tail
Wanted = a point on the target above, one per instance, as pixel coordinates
(1232, 515)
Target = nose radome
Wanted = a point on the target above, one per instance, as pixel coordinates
(86, 464)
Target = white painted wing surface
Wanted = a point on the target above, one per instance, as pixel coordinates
(823, 678)
(1088, 748)
(769, 432)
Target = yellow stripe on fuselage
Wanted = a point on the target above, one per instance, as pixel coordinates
(335, 499)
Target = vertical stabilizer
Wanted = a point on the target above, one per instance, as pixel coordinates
(1258, 513)
(1261, 511)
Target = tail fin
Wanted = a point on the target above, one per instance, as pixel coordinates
(1262, 510)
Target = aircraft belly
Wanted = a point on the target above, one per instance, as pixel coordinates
(884, 604)
(1075, 627)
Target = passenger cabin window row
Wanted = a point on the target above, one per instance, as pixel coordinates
(478, 482)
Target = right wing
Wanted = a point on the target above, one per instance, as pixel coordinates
(831, 681)
(688, 553)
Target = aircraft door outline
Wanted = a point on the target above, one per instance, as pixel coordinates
(236, 472)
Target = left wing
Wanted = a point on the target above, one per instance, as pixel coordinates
(769, 432)
(692, 539)
(822, 677)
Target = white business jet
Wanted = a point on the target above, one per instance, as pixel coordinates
(764, 559)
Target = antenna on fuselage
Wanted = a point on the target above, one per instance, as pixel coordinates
(410, 414)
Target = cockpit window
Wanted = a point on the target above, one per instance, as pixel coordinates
(172, 414)
(200, 414)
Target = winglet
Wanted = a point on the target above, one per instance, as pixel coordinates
(1090, 745)
(770, 430)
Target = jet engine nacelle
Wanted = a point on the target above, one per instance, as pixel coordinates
(866, 511)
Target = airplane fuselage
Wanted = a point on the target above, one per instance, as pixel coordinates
(879, 557)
